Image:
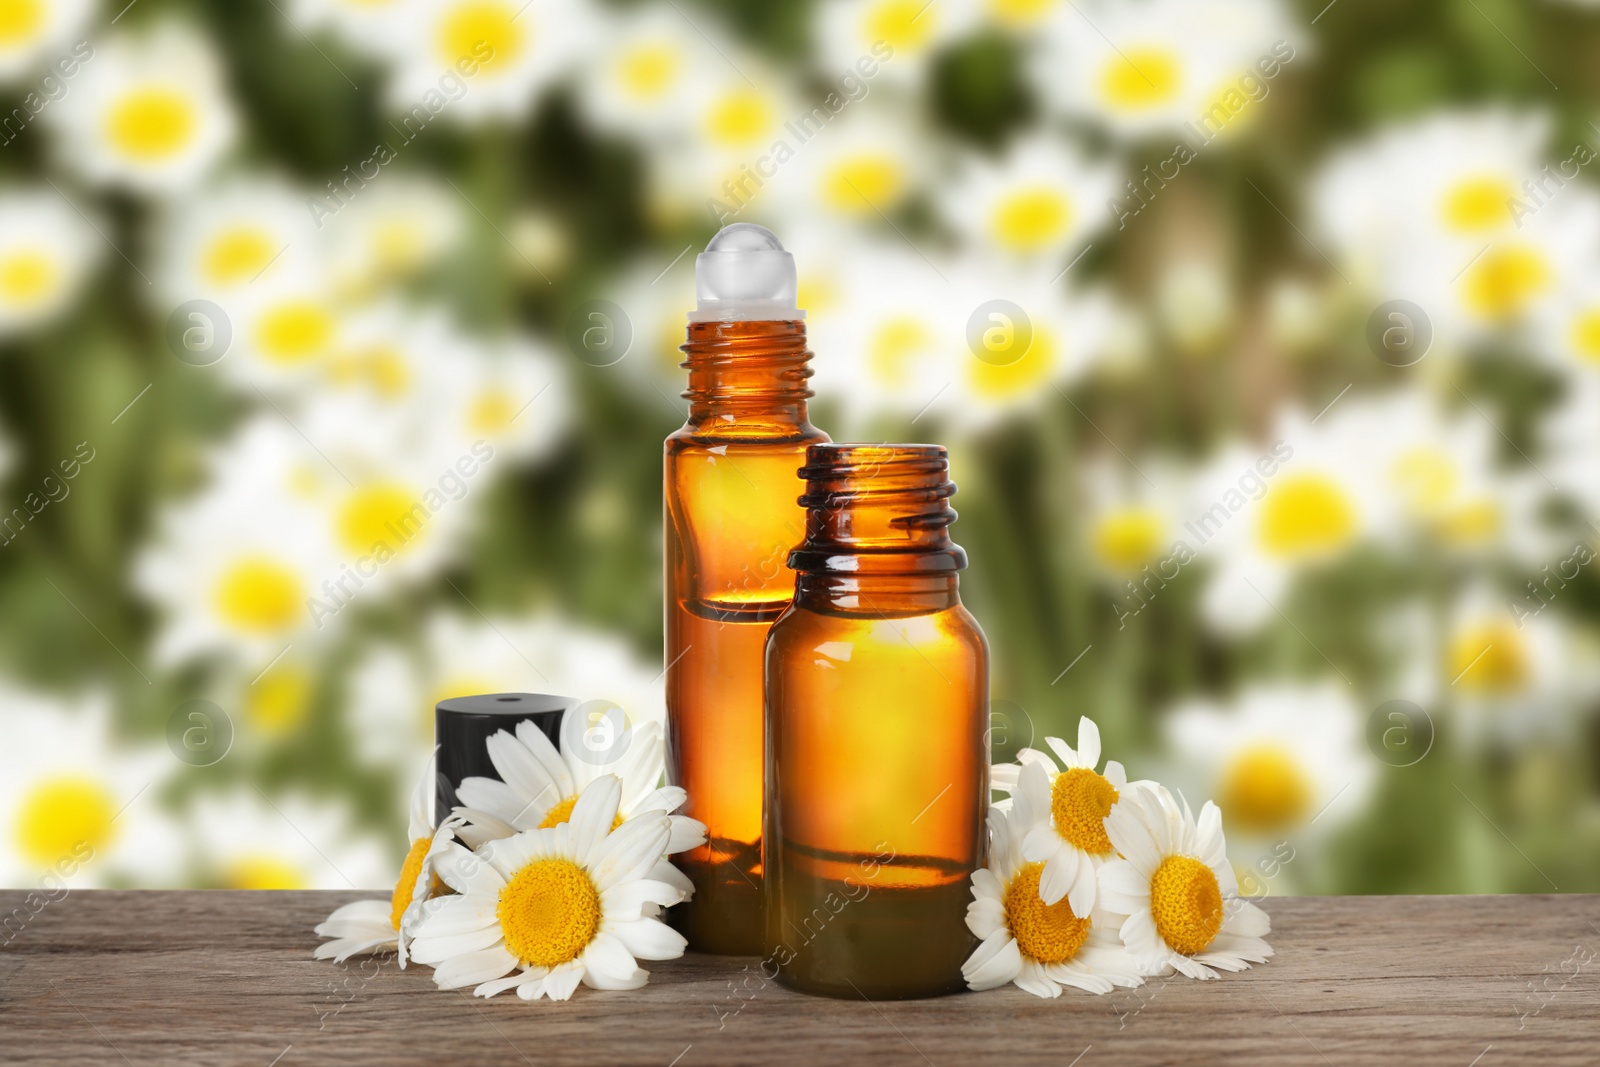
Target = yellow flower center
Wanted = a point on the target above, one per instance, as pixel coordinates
(1080, 800)
(1472, 523)
(1306, 515)
(1030, 219)
(1186, 903)
(562, 812)
(277, 703)
(549, 912)
(237, 255)
(400, 244)
(491, 414)
(1128, 538)
(1020, 12)
(648, 71)
(471, 30)
(151, 123)
(1477, 204)
(860, 185)
(258, 595)
(406, 886)
(1001, 380)
(1586, 334)
(20, 21)
(1427, 478)
(895, 345)
(1048, 933)
(264, 872)
(740, 117)
(1264, 789)
(295, 331)
(901, 24)
(27, 277)
(62, 814)
(1141, 78)
(1503, 281)
(383, 515)
(1491, 658)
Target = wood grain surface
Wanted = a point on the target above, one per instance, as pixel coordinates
(227, 978)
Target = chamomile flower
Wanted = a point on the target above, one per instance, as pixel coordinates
(284, 327)
(394, 689)
(895, 39)
(390, 232)
(1041, 947)
(35, 32)
(1277, 757)
(641, 83)
(150, 114)
(218, 244)
(544, 910)
(1041, 200)
(1267, 512)
(80, 805)
(366, 926)
(1014, 16)
(509, 396)
(231, 568)
(864, 168)
(539, 783)
(1172, 67)
(248, 840)
(1131, 523)
(473, 60)
(1174, 891)
(1062, 811)
(47, 251)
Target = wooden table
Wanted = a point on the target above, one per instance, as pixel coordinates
(227, 977)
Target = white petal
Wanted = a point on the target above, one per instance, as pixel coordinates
(630, 850)
(623, 903)
(666, 872)
(528, 779)
(1088, 742)
(562, 980)
(1123, 889)
(669, 798)
(1064, 752)
(1245, 919)
(1003, 777)
(1033, 979)
(1209, 846)
(606, 957)
(649, 939)
(467, 872)
(633, 981)
(342, 949)
(544, 751)
(687, 833)
(504, 804)
(985, 916)
(1080, 898)
(460, 914)
(473, 968)
(593, 815)
(993, 963)
(511, 981)
(1041, 843)
(436, 948)
(1061, 874)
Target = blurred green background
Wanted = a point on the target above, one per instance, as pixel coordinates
(274, 274)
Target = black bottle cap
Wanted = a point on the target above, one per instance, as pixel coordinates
(462, 727)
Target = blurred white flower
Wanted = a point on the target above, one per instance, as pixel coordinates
(286, 327)
(641, 84)
(475, 60)
(1130, 521)
(1016, 16)
(1276, 758)
(218, 243)
(394, 690)
(36, 32)
(865, 164)
(231, 568)
(397, 226)
(46, 252)
(895, 38)
(150, 113)
(1194, 68)
(248, 840)
(1042, 199)
(80, 805)
(1265, 512)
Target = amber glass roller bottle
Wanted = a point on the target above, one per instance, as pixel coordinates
(731, 519)
(877, 761)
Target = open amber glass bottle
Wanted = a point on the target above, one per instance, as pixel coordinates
(731, 518)
(877, 760)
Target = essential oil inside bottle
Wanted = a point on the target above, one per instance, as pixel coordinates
(877, 765)
(731, 519)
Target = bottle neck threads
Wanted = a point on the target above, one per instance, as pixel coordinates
(753, 374)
